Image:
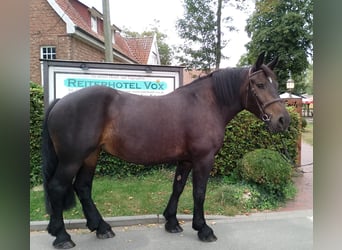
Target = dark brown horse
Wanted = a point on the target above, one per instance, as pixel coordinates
(186, 126)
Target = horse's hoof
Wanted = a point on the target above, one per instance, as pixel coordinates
(64, 245)
(173, 228)
(106, 235)
(209, 238)
(207, 235)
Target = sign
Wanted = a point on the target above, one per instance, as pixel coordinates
(139, 85)
(63, 77)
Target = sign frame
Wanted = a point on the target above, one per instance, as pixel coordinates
(62, 77)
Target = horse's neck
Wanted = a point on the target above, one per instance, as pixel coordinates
(229, 112)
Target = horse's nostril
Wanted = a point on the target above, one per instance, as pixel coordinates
(283, 122)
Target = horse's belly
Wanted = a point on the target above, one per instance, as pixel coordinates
(146, 153)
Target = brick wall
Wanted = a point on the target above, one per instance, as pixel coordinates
(84, 52)
(48, 29)
(45, 28)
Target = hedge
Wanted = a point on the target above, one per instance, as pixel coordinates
(36, 118)
(246, 133)
(243, 134)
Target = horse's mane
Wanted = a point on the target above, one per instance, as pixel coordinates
(227, 83)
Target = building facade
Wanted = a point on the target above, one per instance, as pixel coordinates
(70, 30)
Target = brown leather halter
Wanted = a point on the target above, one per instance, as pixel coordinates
(262, 106)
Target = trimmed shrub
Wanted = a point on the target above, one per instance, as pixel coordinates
(246, 133)
(268, 169)
(36, 121)
(109, 165)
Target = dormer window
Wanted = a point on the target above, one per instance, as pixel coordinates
(94, 23)
(94, 16)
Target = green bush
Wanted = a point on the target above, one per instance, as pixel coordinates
(246, 133)
(304, 123)
(269, 170)
(109, 165)
(36, 119)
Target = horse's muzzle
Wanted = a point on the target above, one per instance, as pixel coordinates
(279, 123)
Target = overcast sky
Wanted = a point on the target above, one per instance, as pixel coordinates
(139, 15)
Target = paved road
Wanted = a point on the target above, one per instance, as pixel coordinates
(264, 231)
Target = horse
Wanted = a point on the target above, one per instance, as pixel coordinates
(186, 126)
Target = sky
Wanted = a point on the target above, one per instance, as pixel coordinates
(139, 15)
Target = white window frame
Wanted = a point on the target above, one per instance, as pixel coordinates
(94, 23)
(48, 52)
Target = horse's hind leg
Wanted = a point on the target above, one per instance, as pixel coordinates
(181, 176)
(61, 196)
(83, 187)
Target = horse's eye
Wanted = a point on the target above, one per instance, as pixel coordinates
(260, 85)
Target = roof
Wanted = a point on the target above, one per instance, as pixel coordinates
(77, 15)
(190, 75)
(288, 95)
(140, 47)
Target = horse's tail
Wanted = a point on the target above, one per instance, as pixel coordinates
(50, 163)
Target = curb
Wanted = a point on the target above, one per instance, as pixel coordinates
(122, 221)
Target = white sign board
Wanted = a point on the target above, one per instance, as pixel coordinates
(63, 77)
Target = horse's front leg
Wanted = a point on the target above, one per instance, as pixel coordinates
(181, 176)
(201, 172)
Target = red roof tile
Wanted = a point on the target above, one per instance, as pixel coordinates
(140, 48)
(136, 49)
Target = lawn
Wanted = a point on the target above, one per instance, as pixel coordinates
(307, 133)
(149, 194)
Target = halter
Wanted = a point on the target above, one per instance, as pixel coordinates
(262, 106)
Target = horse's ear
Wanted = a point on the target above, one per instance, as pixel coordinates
(274, 63)
(259, 61)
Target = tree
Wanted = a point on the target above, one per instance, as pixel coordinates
(309, 80)
(165, 51)
(284, 29)
(201, 30)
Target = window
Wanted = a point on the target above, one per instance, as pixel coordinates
(48, 52)
(94, 23)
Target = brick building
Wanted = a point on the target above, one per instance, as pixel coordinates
(70, 30)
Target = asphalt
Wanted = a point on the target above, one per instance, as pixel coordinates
(290, 227)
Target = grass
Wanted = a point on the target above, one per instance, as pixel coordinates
(307, 133)
(149, 194)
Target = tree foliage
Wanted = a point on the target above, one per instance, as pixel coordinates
(284, 29)
(165, 51)
(201, 29)
(197, 28)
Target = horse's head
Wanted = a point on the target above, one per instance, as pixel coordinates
(262, 98)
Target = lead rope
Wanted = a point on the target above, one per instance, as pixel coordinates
(285, 154)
